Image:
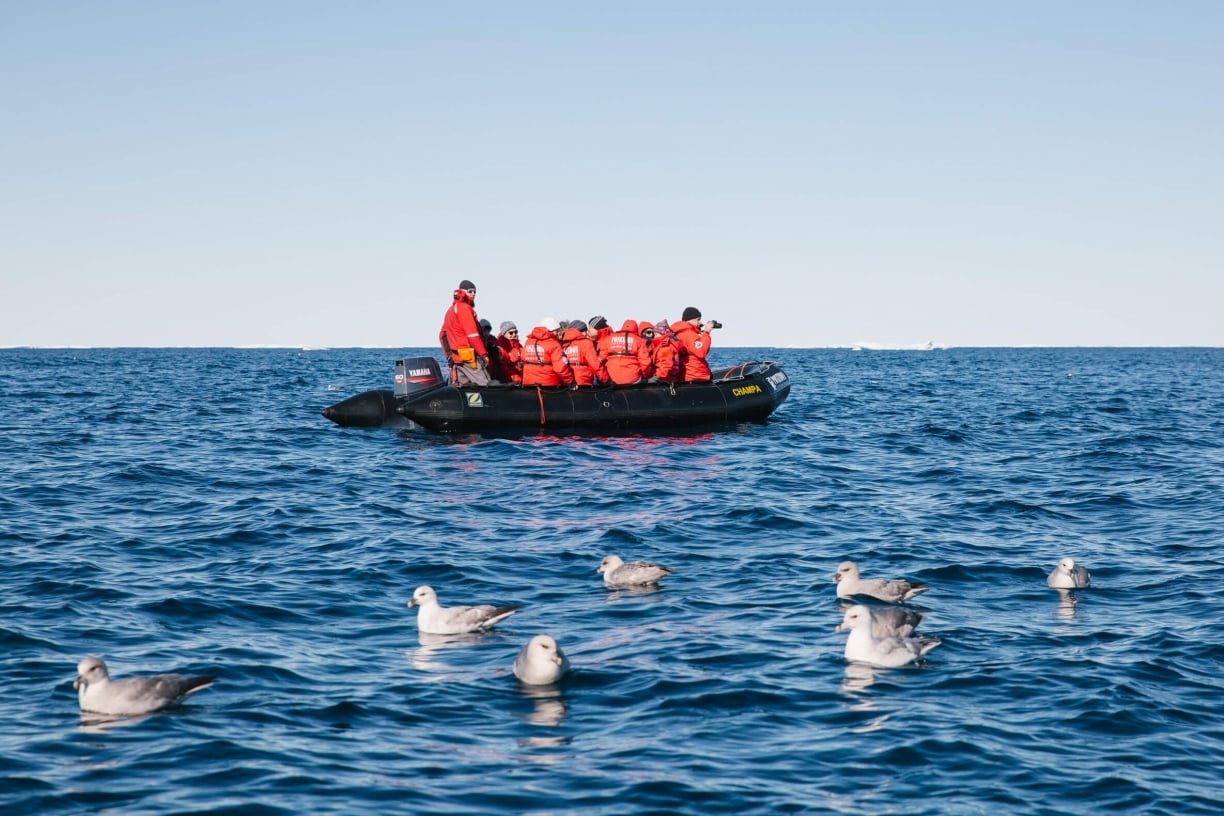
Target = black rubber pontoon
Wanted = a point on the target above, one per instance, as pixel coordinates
(749, 392)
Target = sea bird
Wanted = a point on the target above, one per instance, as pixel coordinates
(99, 694)
(454, 620)
(540, 661)
(850, 584)
(1068, 575)
(617, 573)
(893, 621)
(863, 646)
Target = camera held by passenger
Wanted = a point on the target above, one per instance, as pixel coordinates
(714, 324)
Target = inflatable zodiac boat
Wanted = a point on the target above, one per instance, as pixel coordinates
(749, 392)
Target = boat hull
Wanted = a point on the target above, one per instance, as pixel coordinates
(745, 393)
(748, 393)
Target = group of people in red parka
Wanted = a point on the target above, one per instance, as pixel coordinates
(574, 353)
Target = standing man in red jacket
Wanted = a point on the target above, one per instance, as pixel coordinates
(461, 339)
(695, 340)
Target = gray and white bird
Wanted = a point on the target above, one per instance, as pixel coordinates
(894, 621)
(618, 573)
(896, 590)
(540, 662)
(891, 651)
(1068, 575)
(99, 694)
(454, 620)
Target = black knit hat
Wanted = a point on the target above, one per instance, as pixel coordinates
(466, 284)
(691, 313)
(597, 322)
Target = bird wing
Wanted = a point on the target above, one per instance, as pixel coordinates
(893, 621)
(481, 615)
(641, 572)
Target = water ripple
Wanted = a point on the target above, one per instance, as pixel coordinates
(193, 513)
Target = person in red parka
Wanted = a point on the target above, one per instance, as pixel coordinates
(665, 353)
(544, 362)
(598, 329)
(580, 352)
(625, 354)
(461, 341)
(695, 340)
(510, 360)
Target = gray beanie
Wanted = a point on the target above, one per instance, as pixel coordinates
(507, 325)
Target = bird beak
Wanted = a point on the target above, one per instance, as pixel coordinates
(837, 628)
(77, 682)
(557, 659)
(836, 577)
(411, 602)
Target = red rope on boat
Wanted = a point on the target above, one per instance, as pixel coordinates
(540, 394)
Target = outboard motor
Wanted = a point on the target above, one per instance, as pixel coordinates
(416, 375)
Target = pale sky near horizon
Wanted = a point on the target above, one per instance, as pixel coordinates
(283, 173)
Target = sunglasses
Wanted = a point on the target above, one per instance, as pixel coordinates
(648, 334)
(512, 333)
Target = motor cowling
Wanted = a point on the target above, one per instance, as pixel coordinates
(416, 375)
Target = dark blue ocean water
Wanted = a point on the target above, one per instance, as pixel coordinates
(190, 511)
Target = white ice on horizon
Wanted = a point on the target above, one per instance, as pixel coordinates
(930, 345)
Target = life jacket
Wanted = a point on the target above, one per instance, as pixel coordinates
(580, 353)
(625, 354)
(695, 345)
(543, 361)
(665, 354)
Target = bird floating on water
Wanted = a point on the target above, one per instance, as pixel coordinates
(897, 590)
(454, 620)
(888, 651)
(99, 694)
(893, 621)
(619, 573)
(1068, 575)
(540, 662)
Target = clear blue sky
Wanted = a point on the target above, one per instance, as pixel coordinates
(809, 173)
